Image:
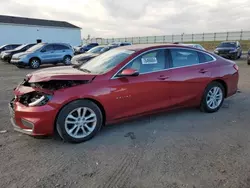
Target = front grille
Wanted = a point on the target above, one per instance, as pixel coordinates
(224, 51)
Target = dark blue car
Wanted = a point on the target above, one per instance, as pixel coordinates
(229, 49)
(84, 48)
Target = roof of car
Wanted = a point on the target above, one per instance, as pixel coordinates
(229, 41)
(138, 47)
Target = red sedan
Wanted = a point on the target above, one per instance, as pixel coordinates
(122, 83)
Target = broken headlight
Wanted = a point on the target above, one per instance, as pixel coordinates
(35, 99)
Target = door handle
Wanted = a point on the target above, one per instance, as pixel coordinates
(163, 77)
(203, 71)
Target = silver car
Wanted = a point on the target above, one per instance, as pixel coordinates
(195, 46)
(44, 53)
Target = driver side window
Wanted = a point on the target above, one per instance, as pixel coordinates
(149, 62)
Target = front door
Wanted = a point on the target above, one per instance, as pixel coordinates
(144, 93)
(47, 53)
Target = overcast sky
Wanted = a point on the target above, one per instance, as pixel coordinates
(124, 18)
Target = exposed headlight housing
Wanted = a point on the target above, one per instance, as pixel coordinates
(35, 99)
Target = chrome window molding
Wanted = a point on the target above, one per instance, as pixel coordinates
(166, 48)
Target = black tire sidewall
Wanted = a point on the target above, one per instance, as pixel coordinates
(67, 109)
(31, 63)
(204, 106)
(64, 59)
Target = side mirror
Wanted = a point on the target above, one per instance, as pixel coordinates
(128, 72)
(43, 50)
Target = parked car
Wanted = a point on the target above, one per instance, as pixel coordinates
(120, 44)
(228, 49)
(7, 55)
(120, 84)
(248, 57)
(85, 48)
(94, 52)
(44, 53)
(8, 47)
(198, 46)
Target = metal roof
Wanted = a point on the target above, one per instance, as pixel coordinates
(35, 22)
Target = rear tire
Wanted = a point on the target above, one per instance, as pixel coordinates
(79, 121)
(67, 60)
(212, 98)
(35, 63)
(248, 62)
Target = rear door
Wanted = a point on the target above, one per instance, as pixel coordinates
(60, 51)
(144, 93)
(190, 74)
(48, 54)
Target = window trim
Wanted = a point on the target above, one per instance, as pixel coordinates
(167, 51)
(53, 49)
(62, 45)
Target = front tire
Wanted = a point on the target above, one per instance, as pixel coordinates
(35, 63)
(213, 97)
(79, 121)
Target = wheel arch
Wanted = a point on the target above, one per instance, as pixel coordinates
(224, 84)
(87, 98)
(67, 55)
(35, 58)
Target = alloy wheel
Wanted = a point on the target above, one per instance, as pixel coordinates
(80, 122)
(35, 63)
(67, 60)
(214, 97)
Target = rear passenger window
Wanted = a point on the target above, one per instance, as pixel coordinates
(205, 58)
(183, 57)
(60, 47)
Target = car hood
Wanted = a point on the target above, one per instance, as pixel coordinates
(21, 53)
(59, 73)
(8, 51)
(84, 56)
(229, 48)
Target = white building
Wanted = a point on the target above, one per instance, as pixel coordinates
(19, 30)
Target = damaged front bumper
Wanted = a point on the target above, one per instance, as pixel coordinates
(34, 109)
(33, 121)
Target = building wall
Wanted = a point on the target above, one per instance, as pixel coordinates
(29, 34)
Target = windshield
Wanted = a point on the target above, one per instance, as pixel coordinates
(34, 48)
(20, 47)
(2, 46)
(106, 61)
(227, 44)
(96, 49)
(106, 49)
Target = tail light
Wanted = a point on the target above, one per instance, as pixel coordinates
(236, 67)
